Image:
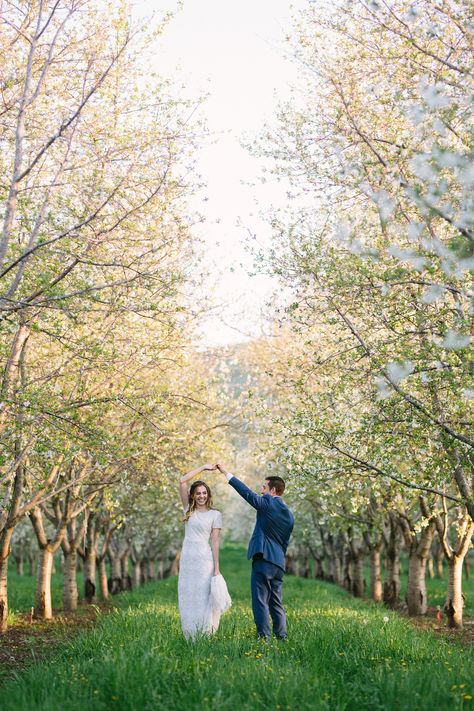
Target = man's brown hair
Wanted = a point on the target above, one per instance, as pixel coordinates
(277, 483)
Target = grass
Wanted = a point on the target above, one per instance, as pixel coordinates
(343, 654)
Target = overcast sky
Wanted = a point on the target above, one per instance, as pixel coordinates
(233, 51)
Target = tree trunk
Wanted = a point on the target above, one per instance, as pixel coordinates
(347, 571)
(304, 570)
(115, 566)
(335, 569)
(4, 553)
(318, 568)
(431, 572)
(358, 583)
(90, 560)
(375, 575)
(90, 565)
(454, 604)
(115, 579)
(417, 599)
(70, 594)
(439, 561)
(150, 569)
(43, 607)
(175, 564)
(391, 586)
(124, 571)
(137, 574)
(20, 567)
(31, 564)
(103, 588)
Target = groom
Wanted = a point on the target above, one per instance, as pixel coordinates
(267, 549)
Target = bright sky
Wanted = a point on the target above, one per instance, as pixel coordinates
(233, 51)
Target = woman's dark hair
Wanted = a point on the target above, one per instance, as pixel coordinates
(192, 499)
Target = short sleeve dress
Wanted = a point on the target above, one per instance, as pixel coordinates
(196, 568)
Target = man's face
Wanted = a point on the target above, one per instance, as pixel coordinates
(265, 487)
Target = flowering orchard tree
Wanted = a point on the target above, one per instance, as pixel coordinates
(94, 251)
(377, 250)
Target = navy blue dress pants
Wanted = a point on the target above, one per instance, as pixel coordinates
(267, 600)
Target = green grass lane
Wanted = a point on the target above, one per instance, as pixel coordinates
(342, 654)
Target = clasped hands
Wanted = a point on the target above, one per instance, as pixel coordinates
(213, 467)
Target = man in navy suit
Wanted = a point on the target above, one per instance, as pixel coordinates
(267, 550)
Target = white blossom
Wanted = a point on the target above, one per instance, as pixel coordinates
(454, 341)
(383, 389)
(341, 233)
(414, 230)
(466, 174)
(411, 14)
(399, 371)
(433, 94)
(385, 204)
(422, 168)
(405, 255)
(415, 114)
(447, 159)
(466, 264)
(439, 127)
(432, 293)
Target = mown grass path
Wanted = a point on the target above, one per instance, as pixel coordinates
(342, 654)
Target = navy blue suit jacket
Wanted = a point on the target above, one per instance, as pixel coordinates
(273, 526)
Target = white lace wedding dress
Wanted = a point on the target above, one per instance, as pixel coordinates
(200, 603)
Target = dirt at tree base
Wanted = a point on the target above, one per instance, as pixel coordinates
(464, 636)
(26, 642)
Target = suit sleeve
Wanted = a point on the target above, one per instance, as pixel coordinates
(258, 502)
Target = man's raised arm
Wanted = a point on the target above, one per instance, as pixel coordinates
(258, 502)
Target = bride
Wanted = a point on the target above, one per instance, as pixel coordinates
(202, 591)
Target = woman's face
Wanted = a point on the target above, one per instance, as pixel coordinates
(200, 496)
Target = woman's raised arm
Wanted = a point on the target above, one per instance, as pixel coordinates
(183, 489)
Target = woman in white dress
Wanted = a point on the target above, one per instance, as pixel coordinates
(202, 592)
